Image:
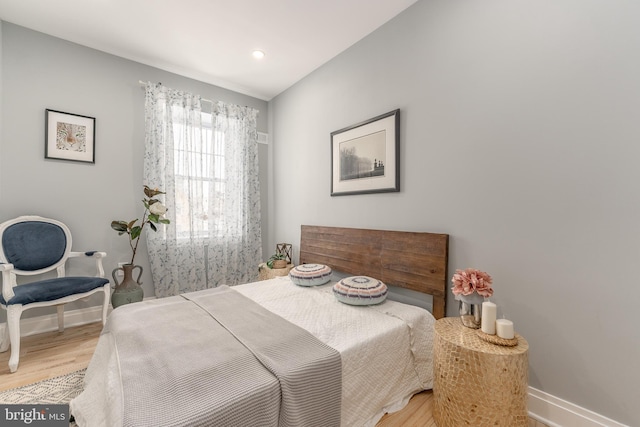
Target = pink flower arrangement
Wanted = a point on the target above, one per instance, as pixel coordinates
(470, 280)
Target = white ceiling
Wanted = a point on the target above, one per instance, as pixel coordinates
(212, 40)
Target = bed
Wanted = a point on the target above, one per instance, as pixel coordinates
(272, 352)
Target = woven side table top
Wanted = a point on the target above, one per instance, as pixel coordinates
(452, 330)
(477, 383)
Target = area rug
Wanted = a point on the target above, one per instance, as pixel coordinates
(53, 390)
(58, 390)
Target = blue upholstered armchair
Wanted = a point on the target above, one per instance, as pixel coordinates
(30, 246)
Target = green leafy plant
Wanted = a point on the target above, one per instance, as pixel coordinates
(275, 257)
(153, 214)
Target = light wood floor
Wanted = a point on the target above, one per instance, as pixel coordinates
(53, 354)
(50, 355)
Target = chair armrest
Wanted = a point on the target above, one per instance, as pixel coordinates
(8, 281)
(92, 254)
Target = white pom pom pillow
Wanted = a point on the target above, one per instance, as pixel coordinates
(310, 274)
(360, 290)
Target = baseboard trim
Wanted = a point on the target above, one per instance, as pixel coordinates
(49, 322)
(555, 412)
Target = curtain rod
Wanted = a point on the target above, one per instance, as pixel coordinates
(201, 99)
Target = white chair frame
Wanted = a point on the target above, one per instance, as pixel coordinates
(9, 282)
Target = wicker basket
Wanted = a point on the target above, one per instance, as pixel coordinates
(265, 272)
(279, 263)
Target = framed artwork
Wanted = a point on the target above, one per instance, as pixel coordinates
(365, 158)
(69, 137)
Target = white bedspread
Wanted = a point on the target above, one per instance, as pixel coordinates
(386, 351)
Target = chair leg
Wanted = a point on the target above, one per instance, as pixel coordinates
(14, 312)
(105, 305)
(4, 338)
(60, 317)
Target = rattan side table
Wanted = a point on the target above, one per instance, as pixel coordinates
(477, 383)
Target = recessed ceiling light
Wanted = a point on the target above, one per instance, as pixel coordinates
(258, 54)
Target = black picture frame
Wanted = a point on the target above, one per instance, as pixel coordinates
(365, 157)
(69, 136)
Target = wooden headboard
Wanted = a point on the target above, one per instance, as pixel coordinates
(416, 261)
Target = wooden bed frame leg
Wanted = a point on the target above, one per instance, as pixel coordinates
(439, 307)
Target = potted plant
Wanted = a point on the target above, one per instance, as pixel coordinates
(129, 290)
(277, 261)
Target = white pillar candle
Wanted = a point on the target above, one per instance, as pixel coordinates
(489, 311)
(504, 328)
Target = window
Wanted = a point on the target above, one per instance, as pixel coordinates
(199, 178)
(207, 163)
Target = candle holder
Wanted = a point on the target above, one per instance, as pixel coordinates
(494, 339)
(285, 249)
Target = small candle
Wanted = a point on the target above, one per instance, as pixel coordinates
(489, 310)
(504, 328)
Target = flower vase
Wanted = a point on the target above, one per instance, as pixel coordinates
(471, 310)
(129, 290)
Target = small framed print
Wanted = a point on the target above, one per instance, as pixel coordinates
(365, 158)
(69, 137)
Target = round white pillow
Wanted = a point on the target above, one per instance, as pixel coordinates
(360, 290)
(310, 274)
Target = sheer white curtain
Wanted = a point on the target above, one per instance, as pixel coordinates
(207, 163)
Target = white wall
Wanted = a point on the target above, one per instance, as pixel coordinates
(40, 72)
(520, 138)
